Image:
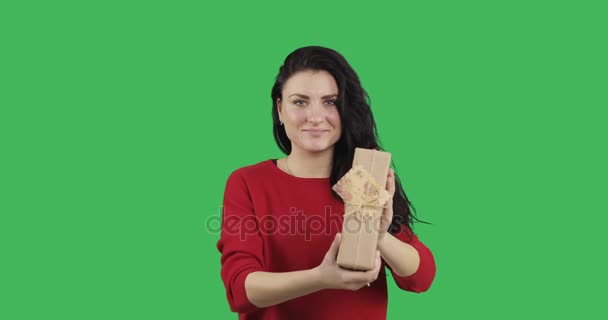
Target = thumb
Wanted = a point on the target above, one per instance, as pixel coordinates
(333, 249)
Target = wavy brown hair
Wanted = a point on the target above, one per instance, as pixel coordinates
(358, 125)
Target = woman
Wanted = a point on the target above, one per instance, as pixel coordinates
(281, 220)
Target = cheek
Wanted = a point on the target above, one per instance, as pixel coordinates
(297, 116)
(334, 118)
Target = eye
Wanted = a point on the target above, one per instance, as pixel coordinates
(331, 102)
(299, 103)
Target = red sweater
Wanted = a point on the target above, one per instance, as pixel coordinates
(276, 222)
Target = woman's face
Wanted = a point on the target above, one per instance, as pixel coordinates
(309, 111)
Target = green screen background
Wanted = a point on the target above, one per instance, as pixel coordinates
(120, 122)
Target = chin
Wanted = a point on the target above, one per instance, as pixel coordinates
(317, 147)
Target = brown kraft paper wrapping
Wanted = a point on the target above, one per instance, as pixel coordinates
(363, 191)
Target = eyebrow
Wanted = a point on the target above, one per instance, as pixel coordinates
(307, 97)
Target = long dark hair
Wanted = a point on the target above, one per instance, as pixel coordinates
(358, 125)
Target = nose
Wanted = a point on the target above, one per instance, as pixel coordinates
(316, 113)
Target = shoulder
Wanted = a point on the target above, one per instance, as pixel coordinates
(252, 172)
(260, 168)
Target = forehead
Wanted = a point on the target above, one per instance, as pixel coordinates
(311, 83)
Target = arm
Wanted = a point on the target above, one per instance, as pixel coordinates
(269, 288)
(241, 247)
(409, 260)
(248, 286)
(402, 257)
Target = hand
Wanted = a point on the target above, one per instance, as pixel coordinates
(334, 277)
(387, 214)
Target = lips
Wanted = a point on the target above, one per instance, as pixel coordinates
(316, 130)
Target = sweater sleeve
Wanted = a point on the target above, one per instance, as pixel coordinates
(240, 243)
(422, 279)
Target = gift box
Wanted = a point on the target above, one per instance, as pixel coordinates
(363, 189)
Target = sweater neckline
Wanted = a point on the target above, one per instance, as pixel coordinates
(273, 163)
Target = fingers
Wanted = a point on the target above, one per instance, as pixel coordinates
(359, 278)
(374, 272)
(390, 182)
(372, 275)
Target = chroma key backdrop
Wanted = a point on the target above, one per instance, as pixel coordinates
(120, 122)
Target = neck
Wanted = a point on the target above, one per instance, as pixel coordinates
(310, 164)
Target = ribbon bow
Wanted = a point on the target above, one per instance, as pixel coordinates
(361, 193)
